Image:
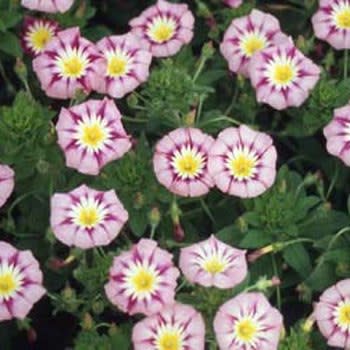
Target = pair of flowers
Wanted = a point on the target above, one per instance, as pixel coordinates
(241, 162)
(255, 47)
(66, 62)
(143, 280)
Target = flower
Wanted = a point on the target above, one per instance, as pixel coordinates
(87, 218)
(337, 133)
(164, 28)
(50, 6)
(91, 135)
(331, 23)
(125, 65)
(176, 327)
(213, 263)
(36, 34)
(143, 279)
(247, 36)
(67, 65)
(20, 282)
(248, 321)
(242, 162)
(233, 3)
(180, 162)
(332, 314)
(7, 183)
(282, 76)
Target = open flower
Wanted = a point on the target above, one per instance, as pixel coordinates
(213, 263)
(20, 282)
(87, 218)
(67, 65)
(143, 279)
(242, 162)
(332, 314)
(91, 135)
(248, 321)
(282, 76)
(233, 3)
(248, 35)
(36, 34)
(164, 28)
(331, 23)
(180, 162)
(7, 183)
(125, 65)
(337, 133)
(50, 6)
(176, 327)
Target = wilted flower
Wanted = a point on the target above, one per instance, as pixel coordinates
(176, 327)
(332, 314)
(282, 76)
(180, 162)
(50, 6)
(20, 282)
(87, 218)
(233, 3)
(7, 183)
(242, 162)
(143, 279)
(331, 23)
(67, 65)
(164, 28)
(247, 36)
(213, 263)
(337, 133)
(248, 321)
(91, 135)
(125, 65)
(36, 34)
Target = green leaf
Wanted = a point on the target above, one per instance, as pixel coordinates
(9, 44)
(8, 19)
(298, 258)
(256, 239)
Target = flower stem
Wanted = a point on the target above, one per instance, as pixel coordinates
(278, 289)
(346, 60)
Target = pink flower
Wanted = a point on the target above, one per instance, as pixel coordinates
(248, 321)
(337, 133)
(91, 135)
(67, 65)
(7, 183)
(331, 23)
(164, 28)
(242, 162)
(213, 263)
(48, 5)
(125, 65)
(180, 162)
(176, 327)
(20, 282)
(332, 314)
(143, 279)
(282, 76)
(233, 3)
(87, 218)
(36, 34)
(247, 36)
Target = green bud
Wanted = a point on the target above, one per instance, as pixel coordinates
(98, 307)
(203, 10)
(87, 322)
(154, 217)
(113, 329)
(132, 100)
(43, 166)
(139, 200)
(21, 69)
(208, 50)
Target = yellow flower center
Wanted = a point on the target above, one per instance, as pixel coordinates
(344, 315)
(8, 284)
(246, 330)
(342, 17)
(214, 265)
(39, 38)
(73, 67)
(93, 135)
(117, 66)
(283, 74)
(188, 162)
(144, 281)
(170, 340)
(242, 166)
(88, 217)
(162, 29)
(252, 43)
(72, 63)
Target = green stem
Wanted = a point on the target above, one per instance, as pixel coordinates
(222, 118)
(233, 101)
(346, 60)
(200, 106)
(278, 288)
(207, 210)
(153, 231)
(199, 69)
(334, 180)
(134, 120)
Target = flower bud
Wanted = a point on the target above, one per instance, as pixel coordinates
(87, 322)
(179, 233)
(154, 217)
